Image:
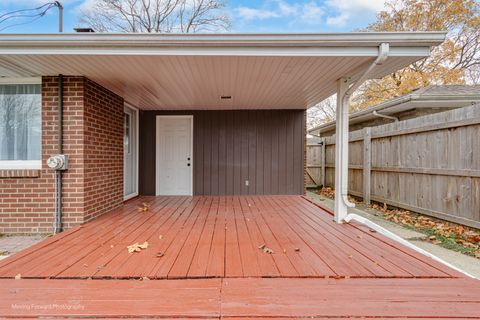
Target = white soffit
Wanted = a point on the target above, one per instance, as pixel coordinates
(192, 71)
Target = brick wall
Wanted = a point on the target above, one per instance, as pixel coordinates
(104, 149)
(92, 131)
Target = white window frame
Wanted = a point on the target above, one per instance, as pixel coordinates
(21, 164)
(137, 122)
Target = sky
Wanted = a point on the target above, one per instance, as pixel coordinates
(247, 16)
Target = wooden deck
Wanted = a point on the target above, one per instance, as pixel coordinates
(212, 266)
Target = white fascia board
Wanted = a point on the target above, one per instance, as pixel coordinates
(220, 51)
(228, 39)
(328, 44)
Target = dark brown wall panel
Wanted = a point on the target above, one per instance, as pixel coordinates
(265, 147)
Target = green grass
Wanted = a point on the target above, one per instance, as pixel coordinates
(448, 242)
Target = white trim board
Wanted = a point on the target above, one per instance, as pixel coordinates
(135, 110)
(20, 164)
(23, 80)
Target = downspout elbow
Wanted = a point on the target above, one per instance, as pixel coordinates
(376, 114)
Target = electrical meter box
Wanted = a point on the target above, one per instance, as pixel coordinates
(58, 162)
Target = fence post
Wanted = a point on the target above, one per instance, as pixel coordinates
(367, 164)
(322, 161)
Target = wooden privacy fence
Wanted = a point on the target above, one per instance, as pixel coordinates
(429, 164)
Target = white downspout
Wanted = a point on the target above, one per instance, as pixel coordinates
(344, 93)
(376, 114)
(393, 236)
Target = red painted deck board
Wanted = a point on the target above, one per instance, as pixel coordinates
(204, 237)
(247, 298)
(110, 298)
(213, 267)
(354, 298)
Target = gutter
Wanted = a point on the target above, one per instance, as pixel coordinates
(413, 98)
(348, 39)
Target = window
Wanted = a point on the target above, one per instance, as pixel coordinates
(20, 125)
(126, 133)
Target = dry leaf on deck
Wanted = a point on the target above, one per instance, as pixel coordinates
(136, 247)
(18, 277)
(267, 250)
(160, 254)
(261, 246)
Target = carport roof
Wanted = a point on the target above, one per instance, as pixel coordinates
(174, 72)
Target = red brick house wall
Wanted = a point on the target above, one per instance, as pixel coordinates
(103, 142)
(93, 133)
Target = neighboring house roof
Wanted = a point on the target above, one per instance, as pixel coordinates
(442, 96)
(192, 71)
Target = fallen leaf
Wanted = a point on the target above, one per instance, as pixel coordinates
(160, 254)
(359, 236)
(143, 245)
(145, 278)
(261, 246)
(372, 231)
(18, 277)
(297, 249)
(160, 237)
(267, 250)
(284, 250)
(136, 247)
(350, 257)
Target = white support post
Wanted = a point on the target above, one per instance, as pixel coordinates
(341, 152)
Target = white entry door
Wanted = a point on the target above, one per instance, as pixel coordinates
(174, 155)
(130, 153)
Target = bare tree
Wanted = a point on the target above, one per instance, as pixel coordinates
(473, 75)
(322, 113)
(162, 16)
